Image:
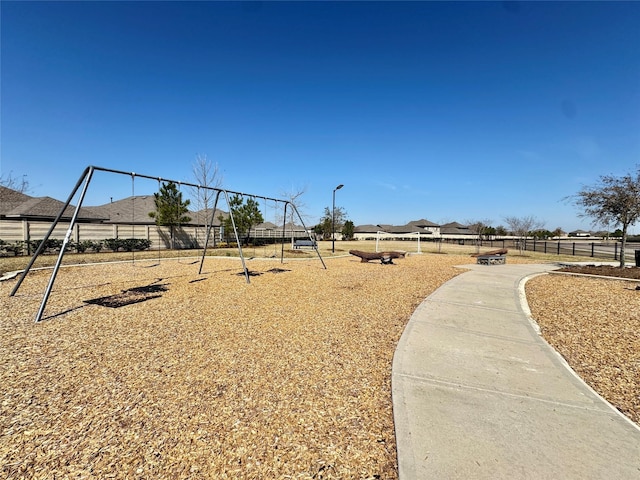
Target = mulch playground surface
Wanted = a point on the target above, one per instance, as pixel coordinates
(142, 371)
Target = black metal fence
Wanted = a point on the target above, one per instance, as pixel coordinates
(609, 251)
(602, 251)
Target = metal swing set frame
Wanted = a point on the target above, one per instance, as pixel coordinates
(85, 180)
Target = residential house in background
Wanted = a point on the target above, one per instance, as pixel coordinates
(24, 218)
(426, 229)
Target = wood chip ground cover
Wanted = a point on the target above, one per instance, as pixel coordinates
(593, 323)
(288, 377)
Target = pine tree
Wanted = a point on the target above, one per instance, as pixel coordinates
(170, 208)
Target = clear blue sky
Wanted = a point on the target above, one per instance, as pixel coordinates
(448, 111)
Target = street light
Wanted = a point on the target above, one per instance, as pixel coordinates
(333, 220)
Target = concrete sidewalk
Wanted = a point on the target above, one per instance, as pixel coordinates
(478, 394)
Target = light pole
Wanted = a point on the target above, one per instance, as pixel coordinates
(333, 220)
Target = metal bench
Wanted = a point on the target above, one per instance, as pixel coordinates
(304, 243)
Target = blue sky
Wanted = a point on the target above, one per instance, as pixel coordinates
(450, 111)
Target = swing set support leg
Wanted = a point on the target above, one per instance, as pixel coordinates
(235, 232)
(48, 234)
(209, 228)
(87, 179)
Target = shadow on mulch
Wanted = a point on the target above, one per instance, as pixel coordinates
(253, 273)
(278, 270)
(130, 296)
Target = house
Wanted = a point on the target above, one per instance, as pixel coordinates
(455, 230)
(17, 205)
(579, 233)
(423, 227)
(24, 218)
(135, 210)
(426, 225)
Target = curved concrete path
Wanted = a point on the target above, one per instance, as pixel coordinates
(478, 394)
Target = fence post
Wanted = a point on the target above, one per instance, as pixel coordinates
(573, 250)
(615, 251)
(545, 246)
(592, 245)
(558, 247)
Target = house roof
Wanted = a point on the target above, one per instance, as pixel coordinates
(41, 207)
(366, 228)
(400, 229)
(14, 204)
(423, 223)
(454, 228)
(267, 226)
(454, 225)
(10, 199)
(405, 229)
(202, 217)
(135, 210)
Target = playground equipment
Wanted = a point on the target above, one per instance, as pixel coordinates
(85, 180)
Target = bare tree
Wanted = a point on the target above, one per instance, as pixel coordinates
(294, 195)
(612, 202)
(478, 228)
(521, 226)
(207, 175)
(19, 185)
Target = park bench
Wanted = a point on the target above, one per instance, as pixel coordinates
(386, 258)
(304, 243)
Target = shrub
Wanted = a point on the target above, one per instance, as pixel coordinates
(83, 246)
(112, 244)
(16, 248)
(143, 244)
(52, 245)
(132, 244)
(127, 244)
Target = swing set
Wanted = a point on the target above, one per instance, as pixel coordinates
(85, 180)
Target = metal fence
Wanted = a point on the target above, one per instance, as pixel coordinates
(601, 251)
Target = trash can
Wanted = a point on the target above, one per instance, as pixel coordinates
(637, 258)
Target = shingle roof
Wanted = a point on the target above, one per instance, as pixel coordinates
(19, 205)
(10, 199)
(128, 210)
(201, 217)
(454, 225)
(423, 223)
(267, 226)
(404, 229)
(400, 229)
(366, 229)
(136, 210)
(41, 207)
(455, 228)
